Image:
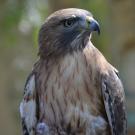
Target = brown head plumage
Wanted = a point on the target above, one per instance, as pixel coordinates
(66, 30)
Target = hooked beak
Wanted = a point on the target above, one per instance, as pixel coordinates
(92, 24)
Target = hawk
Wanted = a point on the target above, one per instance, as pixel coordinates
(72, 89)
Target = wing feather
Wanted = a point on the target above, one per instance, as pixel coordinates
(114, 101)
(28, 107)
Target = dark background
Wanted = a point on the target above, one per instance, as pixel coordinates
(20, 21)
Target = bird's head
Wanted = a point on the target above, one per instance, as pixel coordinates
(66, 31)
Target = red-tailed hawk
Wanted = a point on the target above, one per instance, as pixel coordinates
(72, 89)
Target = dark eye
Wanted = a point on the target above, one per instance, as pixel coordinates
(69, 22)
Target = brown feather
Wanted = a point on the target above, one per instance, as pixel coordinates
(73, 88)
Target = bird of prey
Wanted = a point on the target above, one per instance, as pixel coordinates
(72, 89)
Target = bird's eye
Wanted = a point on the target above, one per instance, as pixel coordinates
(68, 22)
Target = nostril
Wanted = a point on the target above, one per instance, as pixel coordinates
(88, 21)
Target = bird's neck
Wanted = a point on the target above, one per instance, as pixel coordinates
(79, 56)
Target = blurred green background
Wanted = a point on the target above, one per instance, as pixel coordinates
(20, 21)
